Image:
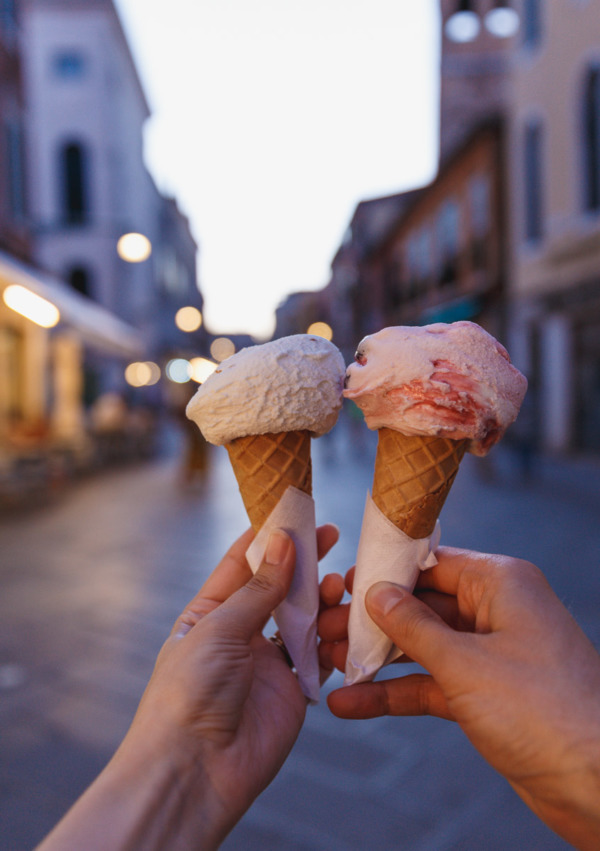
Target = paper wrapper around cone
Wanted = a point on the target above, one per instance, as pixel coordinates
(274, 475)
(265, 465)
(413, 476)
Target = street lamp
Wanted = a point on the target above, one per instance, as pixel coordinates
(134, 247)
(188, 319)
(31, 306)
(464, 24)
(502, 21)
(320, 329)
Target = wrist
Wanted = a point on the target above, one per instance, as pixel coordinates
(169, 792)
(152, 795)
(569, 803)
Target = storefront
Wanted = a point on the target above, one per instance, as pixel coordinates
(47, 334)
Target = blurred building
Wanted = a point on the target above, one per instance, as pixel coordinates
(554, 221)
(46, 328)
(300, 310)
(14, 233)
(88, 185)
(73, 313)
(443, 258)
(508, 233)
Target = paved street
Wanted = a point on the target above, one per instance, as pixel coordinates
(91, 582)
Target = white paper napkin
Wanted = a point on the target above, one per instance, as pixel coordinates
(296, 616)
(385, 553)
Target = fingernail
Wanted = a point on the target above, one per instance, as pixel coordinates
(385, 596)
(277, 547)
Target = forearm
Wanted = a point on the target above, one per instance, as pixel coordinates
(142, 800)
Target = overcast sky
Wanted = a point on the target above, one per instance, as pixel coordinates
(271, 120)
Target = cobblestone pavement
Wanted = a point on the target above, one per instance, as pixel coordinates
(91, 582)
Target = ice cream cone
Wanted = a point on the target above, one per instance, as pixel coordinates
(413, 475)
(265, 465)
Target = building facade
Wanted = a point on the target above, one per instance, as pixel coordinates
(88, 184)
(14, 233)
(554, 226)
(445, 258)
(508, 234)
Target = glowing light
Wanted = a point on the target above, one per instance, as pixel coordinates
(463, 27)
(188, 319)
(134, 247)
(178, 370)
(320, 329)
(502, 22)
(31, 306)
(142, 374)
(222, 348)
(201, 368)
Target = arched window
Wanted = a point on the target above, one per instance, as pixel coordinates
(532, 23)
(74, 182)
(81, 280)
(533, 183)
(591, 140)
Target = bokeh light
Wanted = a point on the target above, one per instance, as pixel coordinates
(502, 22)
(463, 27)
(188, 319)
(222, 348)
(31, 306)
(142, 374)
(320, 329)
(134, 247)
(201, 368)
(178, 370)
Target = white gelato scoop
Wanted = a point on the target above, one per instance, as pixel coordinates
(290, 384)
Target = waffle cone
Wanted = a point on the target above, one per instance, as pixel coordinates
(413, 476)
(265, 465)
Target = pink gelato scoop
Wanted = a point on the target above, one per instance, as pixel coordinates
(443, 380)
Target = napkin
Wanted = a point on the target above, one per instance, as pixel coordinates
(296, 616)
(385, 553)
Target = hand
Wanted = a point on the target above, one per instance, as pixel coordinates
(507, 662)
(216, 722)
(224, 688)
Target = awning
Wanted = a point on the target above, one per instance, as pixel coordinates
(467, 307)
(99, 329)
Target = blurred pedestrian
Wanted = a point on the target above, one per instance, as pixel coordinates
(195, 453)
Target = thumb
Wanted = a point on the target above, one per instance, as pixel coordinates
(247, 610)
(412, 626)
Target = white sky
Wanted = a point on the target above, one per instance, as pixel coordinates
(271, 120)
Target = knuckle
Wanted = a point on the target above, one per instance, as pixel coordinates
(263, 583)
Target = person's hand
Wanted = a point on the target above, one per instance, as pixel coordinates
(216, 721)
(507, 662)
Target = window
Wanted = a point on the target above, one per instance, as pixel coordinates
(448, 240)
(479, 204)
(532, 22)
(8, 19)
(73, 164)
(69, 65)
(533, 169)
(14, 159)
(80, 279)
(591, 140)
